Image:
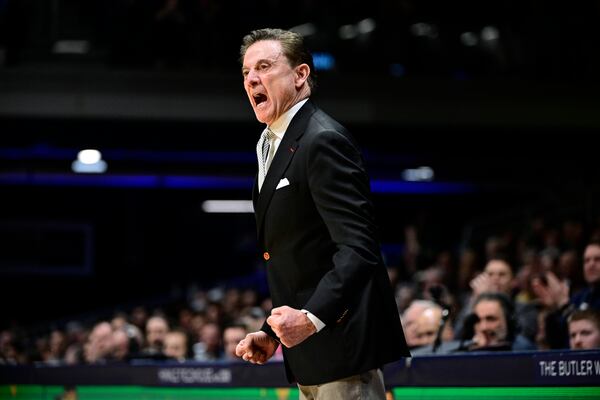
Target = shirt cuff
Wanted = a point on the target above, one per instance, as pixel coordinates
(313, 318)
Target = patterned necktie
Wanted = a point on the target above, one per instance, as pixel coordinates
(262, 151)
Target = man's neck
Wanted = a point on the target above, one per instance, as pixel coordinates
(280, 125)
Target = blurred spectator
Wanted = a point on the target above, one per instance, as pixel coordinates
(231, 303)
(185, 319)
(553, 294)
(157, 328)
(494, 325)
(498, 277)
(76, 338)
(176, 345)
(139, 316)
(410, 319)
(590, 296)
(405, 294)
(569, 269)
(428, 325)
(118, 321)
(196, 323)
(429, 278)
(214, 313)
(98, 347)
(57, 347)
(209, 346)
(584, 330)
(232, 335)
(10, 351)
(120, 345)
(249, 298)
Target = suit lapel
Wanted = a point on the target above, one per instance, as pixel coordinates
(285, 152)
(255, 193)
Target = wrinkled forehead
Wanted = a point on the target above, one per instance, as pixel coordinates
(263, 50)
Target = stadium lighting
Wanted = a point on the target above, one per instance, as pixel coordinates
(89, 161)
(228, 206)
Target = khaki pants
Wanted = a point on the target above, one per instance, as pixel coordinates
(366, 386)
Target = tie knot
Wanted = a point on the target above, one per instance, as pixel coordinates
(268, 134)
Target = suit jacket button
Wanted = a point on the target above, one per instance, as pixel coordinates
(266, 255)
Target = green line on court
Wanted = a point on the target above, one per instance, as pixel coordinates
(39, 392)
(497, 393)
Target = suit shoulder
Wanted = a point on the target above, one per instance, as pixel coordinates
(322, 121)
(321, 126)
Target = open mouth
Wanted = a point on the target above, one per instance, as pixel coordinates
(259, 98)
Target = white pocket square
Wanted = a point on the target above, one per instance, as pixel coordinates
(282, 183)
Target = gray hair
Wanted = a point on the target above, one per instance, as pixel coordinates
(292, 44)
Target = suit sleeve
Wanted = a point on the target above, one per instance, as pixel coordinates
(340, 190)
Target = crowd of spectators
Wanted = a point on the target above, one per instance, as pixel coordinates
(206, 327)
(523, 291)
(536, 288)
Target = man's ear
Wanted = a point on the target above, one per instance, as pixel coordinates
(302, 72)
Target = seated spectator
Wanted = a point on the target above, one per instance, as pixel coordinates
(584, 330)
(157, 328)
(209, 346)
(410, 319)
(120, 345)
(9, 349)
(553, 294)
(498, 277)
(494, 325)
(139, 317)
(421, 322)
(98, 348)
(176, 345)
(76, 338)
(57, 344)
(232, 335)
(428, 326)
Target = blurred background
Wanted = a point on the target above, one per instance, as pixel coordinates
(477, 121)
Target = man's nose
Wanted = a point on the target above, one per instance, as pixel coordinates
(252, 78)
(485, 325)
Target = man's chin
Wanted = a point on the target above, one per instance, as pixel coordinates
(261, 117)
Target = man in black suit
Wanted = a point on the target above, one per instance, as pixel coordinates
(334, 310)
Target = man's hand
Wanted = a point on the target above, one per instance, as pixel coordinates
(489, 337)
(256, 347)
(553, 293)
(481, 284)
(484, 339)
(291, 326)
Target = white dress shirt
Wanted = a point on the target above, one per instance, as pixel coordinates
(279, 127)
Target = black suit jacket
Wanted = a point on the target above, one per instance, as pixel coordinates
(323, 254)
